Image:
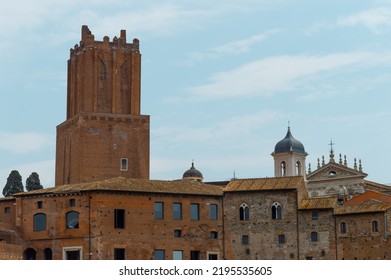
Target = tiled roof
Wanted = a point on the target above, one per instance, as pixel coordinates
(369, 196)
(120, 184)
(258, 184)
(344, 210)
(318, 203)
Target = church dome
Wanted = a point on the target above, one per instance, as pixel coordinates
(289, 144)
(193, 174)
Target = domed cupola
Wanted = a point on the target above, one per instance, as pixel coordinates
(193, 174)
(289, 144)
(289, 157)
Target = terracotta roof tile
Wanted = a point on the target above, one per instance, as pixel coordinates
(120, 184)
(344, 210)
(318, 203)
(258, 184)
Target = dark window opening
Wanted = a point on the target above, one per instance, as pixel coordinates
(245, 240)
(119, 218)
(119, 253)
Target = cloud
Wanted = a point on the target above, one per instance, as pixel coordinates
(25, 142)
(271, 75)
(374, 19)
(234, 47)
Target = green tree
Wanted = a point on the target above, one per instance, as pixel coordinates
(33, 182)
(14, 184)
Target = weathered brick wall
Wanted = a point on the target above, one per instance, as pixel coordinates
(10, 251)
(324, 248)
(143, 233)
(262, 230)
(360, 242)
(90, 148)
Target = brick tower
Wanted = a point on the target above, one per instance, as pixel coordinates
(104, 135)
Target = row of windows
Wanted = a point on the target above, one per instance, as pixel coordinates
(160, 254)
(212, 234)
(177, 211)
(71, 203)
(72, 221)
(244, 212)
(283, 169)
(281, 239)
(343, 228)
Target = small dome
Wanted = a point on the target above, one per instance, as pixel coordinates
(289, 144)
(193, 174)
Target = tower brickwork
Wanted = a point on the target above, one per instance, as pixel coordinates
(104, 135)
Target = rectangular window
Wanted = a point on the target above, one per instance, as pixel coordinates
(281, 239)
(194, 212)
(119, 253)
(245, 240)
(159, 210)
(213, 211)
(194, 255)
(72, 202)
(124, 164)
(119, 218)
(39, 204)
(7, 210)
(213, 235)
(314, 215)
(160, 254)
(177, 233)
(177, 211)
(177, 255)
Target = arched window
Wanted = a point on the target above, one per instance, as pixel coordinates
(283, 169)
(29, 254)
(298, 168)
(276, 211)
(72, 220)
(375, 226)
(39, 222)
(244, 212)
(314, 236)
(342, 227)
(48, 254)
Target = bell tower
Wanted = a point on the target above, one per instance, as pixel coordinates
(104, 134)
(289, 157)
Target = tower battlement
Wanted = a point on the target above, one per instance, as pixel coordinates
(119, 43)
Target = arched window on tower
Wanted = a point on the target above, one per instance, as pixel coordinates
(276, 211)
(244, 212)
(298, 168)
(283, 169)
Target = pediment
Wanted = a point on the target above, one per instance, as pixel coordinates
(334, 171)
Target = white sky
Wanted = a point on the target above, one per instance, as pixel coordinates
(220, 80)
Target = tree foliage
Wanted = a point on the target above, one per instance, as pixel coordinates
(14, 184)
(33, 182)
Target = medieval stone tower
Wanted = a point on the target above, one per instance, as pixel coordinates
(104, 135)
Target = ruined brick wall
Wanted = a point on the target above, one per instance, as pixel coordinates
(321, 222)
(263, 232)
(360, 241)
